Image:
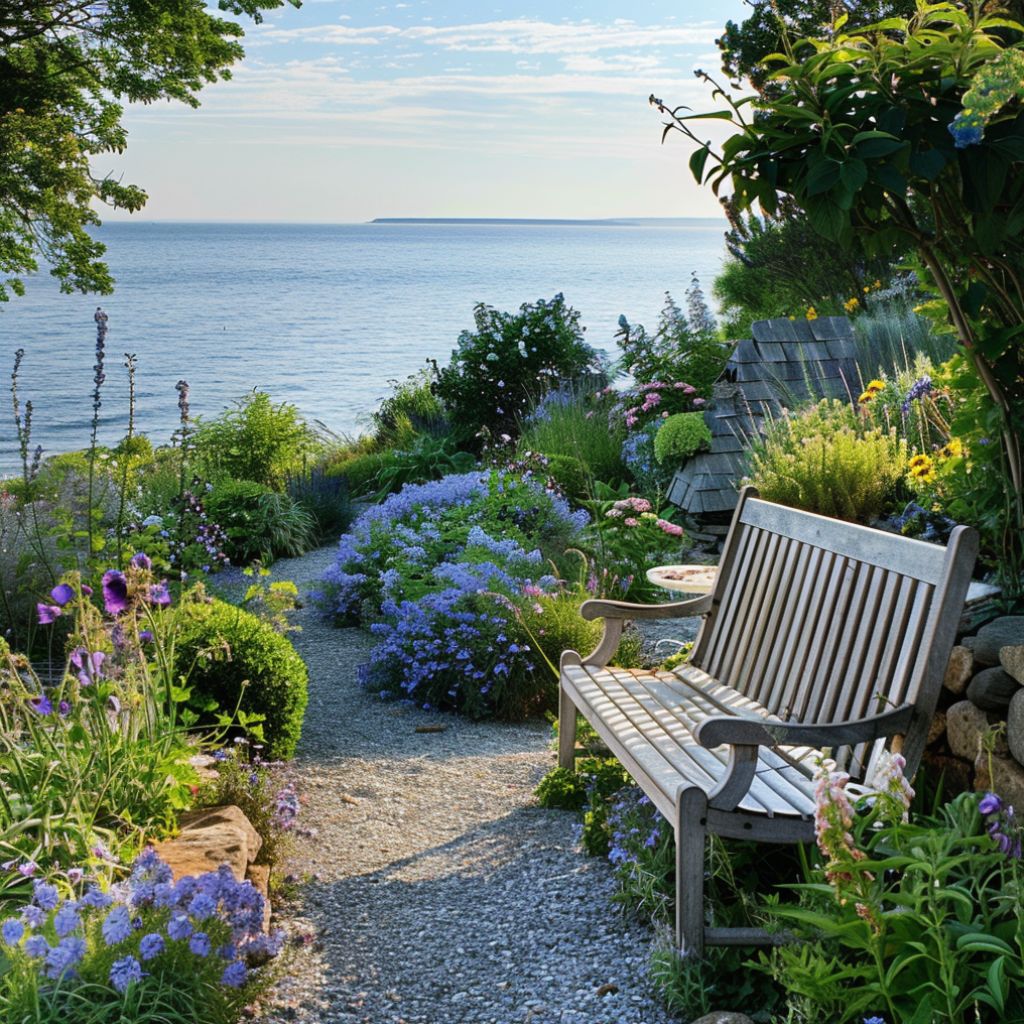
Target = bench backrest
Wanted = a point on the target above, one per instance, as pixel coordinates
(824, 621)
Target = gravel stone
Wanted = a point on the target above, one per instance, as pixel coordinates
(440, 892)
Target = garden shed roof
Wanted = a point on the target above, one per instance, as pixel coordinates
(785, 362)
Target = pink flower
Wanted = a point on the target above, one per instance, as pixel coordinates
(670, 528)
(532, 590)
(698, 402)
(630, 521)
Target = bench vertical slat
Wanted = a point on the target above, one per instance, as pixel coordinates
(718, 645)
(858, 622)
(762, 679)
(797, 609)
(818, 633)
(723, 578)
(757, 597)
(910, 667)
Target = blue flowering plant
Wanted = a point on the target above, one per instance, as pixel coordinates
(149, 948)
(499, 371)
(394, 549)
(97, 755)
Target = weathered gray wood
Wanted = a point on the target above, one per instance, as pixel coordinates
(817, 634)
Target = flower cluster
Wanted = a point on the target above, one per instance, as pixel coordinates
(921, 387)
(657, 400)
(137, 928)
(634, 825)
(872, 389)
(922, 468)
(1002, 825)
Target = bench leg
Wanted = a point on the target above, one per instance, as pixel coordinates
(566, 730)
(691, 811)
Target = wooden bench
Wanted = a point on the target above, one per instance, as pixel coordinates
(819, 637)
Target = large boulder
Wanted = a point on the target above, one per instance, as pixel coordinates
(966, 724)
(1006, 631)
(992, 689)
(1015, 726)
(959, 670)
(209, 837)
(1012, 660)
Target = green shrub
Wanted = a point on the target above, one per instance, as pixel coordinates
(681, 436)
(571, 476)
(501, 369)
(412, 405)
(578, 425)
(362, 470)
(259, 523)
(255, 440)
(326, 498)
(428, 458)
(821, 459)
(239, 660)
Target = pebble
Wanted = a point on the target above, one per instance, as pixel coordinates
(443, 893)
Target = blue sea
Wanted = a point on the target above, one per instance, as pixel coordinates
(321, 315)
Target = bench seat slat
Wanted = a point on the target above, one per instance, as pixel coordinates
(653, 717)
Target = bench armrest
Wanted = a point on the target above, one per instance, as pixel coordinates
(714, 731)
(602, 609)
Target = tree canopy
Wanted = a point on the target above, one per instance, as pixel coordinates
(66, 68)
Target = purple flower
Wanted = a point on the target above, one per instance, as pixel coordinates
(990, 804)
(36, 946)
(75, 875)
(159, 595)
(146, 636)
(41, 704)
(33, 916)
(89, 665)
(47, 613)
(202, 906)
(234, 975)
(874, 1020)
(151, 945)
(115, 592)
(114, 705)
(125, 972)
(141, 561)
(87, 590)
(62, 594)
(64, 709)
(200, 944)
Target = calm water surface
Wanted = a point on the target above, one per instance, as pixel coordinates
(323, 316)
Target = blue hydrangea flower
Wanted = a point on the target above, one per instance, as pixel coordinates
(179, 927)
(151, 945)
(117, 926)
(125, 972)
(200, 944)
(234, 975)
(44, 895)
(11, 931)
(36, 946)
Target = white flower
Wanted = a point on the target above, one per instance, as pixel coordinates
(153, 521)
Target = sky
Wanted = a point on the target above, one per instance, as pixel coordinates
(346, 110)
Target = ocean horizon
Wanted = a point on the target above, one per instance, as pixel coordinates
(321, 315)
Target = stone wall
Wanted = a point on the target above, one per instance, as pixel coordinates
(977, 738)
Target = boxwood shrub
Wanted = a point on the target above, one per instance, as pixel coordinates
(231, 652)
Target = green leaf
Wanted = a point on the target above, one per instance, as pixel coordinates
(873, 145)
(854, 174)
(995, 977)
(697, 161)
(927, 163)
(822, 176)
(982, 942)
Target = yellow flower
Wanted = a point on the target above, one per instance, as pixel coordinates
(851, 304)
(812, 313)
(877, 284)
(953, 450)
(871, 389)
(876, 385)
(922, 468)
(866, 289)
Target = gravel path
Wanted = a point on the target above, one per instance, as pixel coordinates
(440, 892)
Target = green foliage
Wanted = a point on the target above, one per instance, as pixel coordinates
(916, 922)
(429, 458)
(684, 348)
(255, 440)
(100, 756)
(508, 363)
(681, 436)
(362, 470)
(892, 335)
(779, 267)
(412, 406)
(589, 787)
(260, 523)
(242, 662)
(871, 133)
(64, 74)
(821, 459)
(582, 437)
